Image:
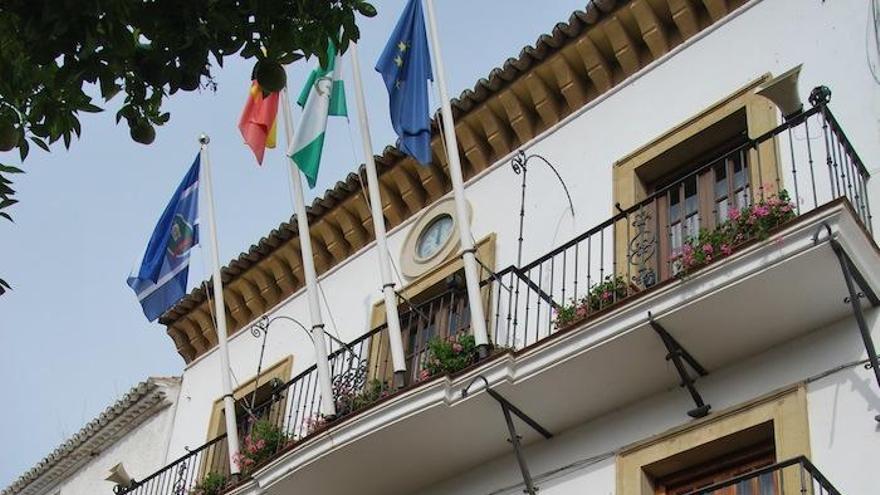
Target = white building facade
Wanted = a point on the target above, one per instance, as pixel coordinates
(645, 362)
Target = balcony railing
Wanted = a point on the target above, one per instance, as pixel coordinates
(630, 253)
(189, 473)
(797, 476)
(644, 246)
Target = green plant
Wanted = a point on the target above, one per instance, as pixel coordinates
(601, 295)
(265, 438)
(449, 355)
(349, 401)
(211, 484)
(60, 60)
(742, 225)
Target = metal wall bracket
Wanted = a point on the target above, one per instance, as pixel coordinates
(679, 356)
(507, 408)
(853, 277)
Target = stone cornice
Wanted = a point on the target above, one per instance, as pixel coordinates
(578, 61)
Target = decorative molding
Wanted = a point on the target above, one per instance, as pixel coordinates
(565, 70)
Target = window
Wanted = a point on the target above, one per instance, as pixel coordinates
(694, 200)
(444, 315)
(720, 447)
(722, 469)
(701, 196)
(440, 295)
(259, 403)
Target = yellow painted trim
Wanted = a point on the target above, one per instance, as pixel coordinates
(786, 409)
(485, 253)
(761, 116)
(280, 370)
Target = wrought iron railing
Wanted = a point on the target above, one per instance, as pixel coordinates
(645, 245)
(797, 476)
(187, 474)
(617, 259)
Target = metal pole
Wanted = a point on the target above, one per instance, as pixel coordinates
(219, 311)
(857, 310)
(328, 406)
(398, 358)
(468, 254)
(517, 449)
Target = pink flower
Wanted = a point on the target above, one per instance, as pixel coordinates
(581, 311)
(786, 208)
(734, 214)
(424, 375)
(726, 250)
(708, 249)
(606, 295)
(762, 211)
(687, 249)
(456, 347)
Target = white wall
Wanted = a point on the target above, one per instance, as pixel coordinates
(767, 36)
(140, 451)
(841, 409)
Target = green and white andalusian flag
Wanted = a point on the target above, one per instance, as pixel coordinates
(323, 95)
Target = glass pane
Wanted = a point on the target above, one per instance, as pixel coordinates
(741, 198)
(692, 225)
(675, 238)
(674, 204)
(720, 181)
(722, 211)
(745, 488)
(690, 195)
(740, 171)
(766, 485)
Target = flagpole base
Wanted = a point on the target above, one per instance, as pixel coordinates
(484, 350)
(399, 380)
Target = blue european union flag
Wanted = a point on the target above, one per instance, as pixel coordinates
(405, 66)
(160, 281)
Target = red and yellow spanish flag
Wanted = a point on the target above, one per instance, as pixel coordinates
(258, 121)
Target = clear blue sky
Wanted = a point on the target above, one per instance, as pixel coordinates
(72, 336)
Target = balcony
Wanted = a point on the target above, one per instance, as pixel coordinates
(614, 301)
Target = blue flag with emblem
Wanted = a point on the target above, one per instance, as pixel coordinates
(405, 66)
(160, 280)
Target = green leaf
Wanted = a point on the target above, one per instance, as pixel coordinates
(88, 107)
(6, 216)
(366, 9)
(7, 203)
(23, 149)
(39, 142)
(9, 169)
(289, 58)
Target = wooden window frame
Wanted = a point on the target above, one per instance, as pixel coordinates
(631, 175)
(786, 409)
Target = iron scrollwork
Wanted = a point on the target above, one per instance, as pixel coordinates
(347, 384)
(642, 248)
(180, 481)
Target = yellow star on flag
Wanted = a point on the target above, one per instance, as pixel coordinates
(398, 60)
(402, 46)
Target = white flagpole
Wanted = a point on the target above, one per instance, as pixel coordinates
(468, 252)
(219, 310)
(398, 359)
(328, 406)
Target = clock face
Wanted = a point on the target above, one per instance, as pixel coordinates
(434, 237)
